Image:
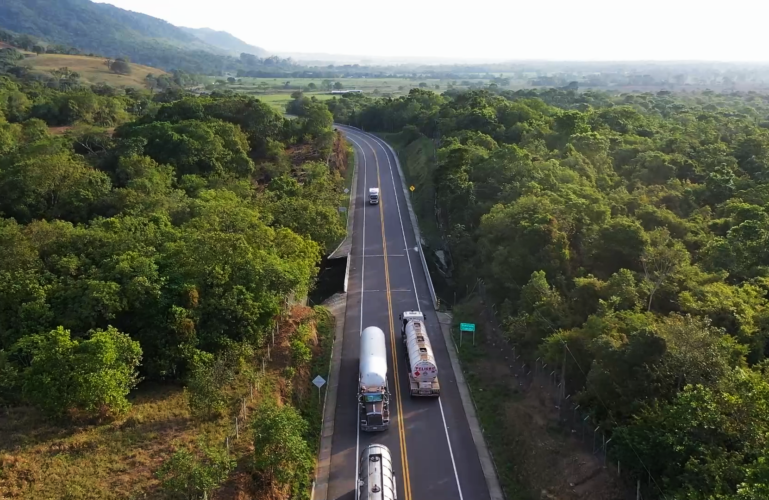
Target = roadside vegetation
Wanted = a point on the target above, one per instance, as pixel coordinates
(154, 256)
(620, 237)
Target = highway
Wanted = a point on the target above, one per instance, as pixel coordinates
(433, 452)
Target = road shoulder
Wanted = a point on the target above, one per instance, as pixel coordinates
(343, 250)
(487, 463)
(338, 307)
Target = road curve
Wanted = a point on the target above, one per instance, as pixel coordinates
(433, 452)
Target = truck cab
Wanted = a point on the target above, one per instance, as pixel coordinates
(373, 196)
(374, 411)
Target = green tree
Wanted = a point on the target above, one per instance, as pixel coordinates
(92, 376)
(702, 444)
(282, 458)
(195, 147)
(121, 67)
(194, 476)
(661, 259)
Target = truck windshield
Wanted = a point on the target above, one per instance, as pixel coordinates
(372, 398)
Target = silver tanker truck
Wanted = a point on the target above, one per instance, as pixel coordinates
(376, 480)
(373, 391)
(423, 371)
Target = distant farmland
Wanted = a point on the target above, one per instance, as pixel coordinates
(277, 91)
(91, 69)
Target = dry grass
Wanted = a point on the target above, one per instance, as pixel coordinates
(91, 69)
(41, 460)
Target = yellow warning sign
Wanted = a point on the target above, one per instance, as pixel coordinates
(412, 188)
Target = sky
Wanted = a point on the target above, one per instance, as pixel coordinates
(601, 30)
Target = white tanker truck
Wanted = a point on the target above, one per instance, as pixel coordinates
(377, 477)
(373, 392)
(423, 372)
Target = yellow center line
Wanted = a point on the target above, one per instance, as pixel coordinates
(401, 429)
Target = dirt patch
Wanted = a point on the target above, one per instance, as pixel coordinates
(300, 154)
(59, 130)
(536, 456)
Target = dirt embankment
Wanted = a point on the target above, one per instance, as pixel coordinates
(339, 154)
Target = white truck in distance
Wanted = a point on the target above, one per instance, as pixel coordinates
(376, 479)
(373, 196)
(423, 372)
(373, 392)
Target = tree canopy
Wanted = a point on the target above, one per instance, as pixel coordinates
(630, 228)
(153, 231)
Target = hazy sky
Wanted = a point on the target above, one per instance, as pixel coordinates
(490, 29)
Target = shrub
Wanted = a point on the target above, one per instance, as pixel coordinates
(189, 476)
(93, 376)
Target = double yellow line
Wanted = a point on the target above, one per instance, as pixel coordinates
(401, 429)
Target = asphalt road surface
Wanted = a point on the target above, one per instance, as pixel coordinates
(433, 453)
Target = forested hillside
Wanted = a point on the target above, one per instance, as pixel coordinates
(158, 239)
(623, 237)
(226, 42)
(112, 32)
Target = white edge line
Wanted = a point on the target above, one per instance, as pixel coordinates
(451, 453)
(403, 232)
(362, 274)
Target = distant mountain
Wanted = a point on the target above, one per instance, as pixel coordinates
(114, 32)
(225, 41)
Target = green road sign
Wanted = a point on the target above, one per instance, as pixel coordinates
(467, 327)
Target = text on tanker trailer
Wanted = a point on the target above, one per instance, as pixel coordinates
(423, 371)
(377, 478)
(373, 392)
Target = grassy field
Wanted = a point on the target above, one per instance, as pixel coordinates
(279, 100)
(91, 69)
(277, 91)
(381, 86)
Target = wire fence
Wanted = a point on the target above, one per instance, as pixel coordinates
(574, 421)
(239, 423)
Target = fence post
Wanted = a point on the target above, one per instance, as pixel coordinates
(638, 490)
(237, 434)
(227, 442)
(595, 435)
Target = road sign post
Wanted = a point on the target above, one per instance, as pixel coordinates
(318, 381)
(466, 327)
